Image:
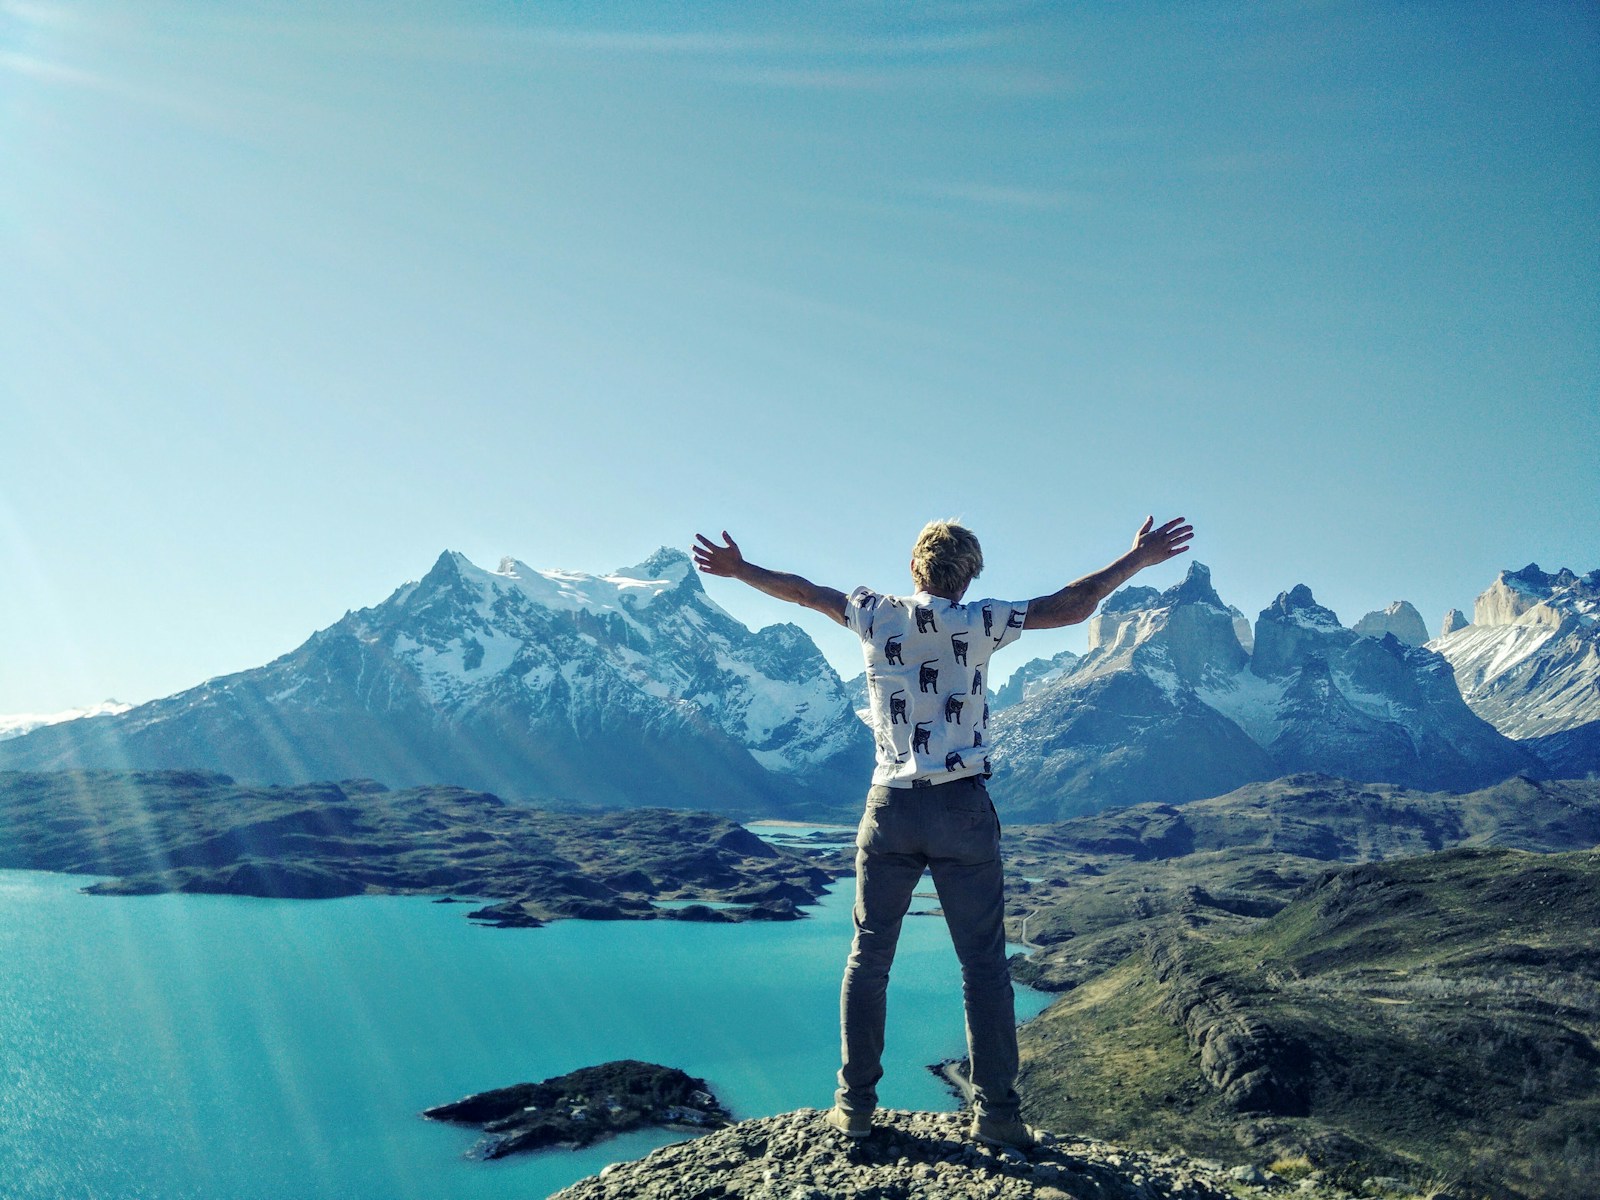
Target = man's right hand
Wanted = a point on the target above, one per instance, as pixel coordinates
(719, 560)
(726, 560)
(1152, 546)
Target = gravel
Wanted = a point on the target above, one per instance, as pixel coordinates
(910, 1156)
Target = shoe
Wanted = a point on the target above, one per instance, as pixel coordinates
(1012, 1134)
(851, 1124)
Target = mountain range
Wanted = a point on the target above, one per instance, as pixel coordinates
(1529, 663)
(635, 688)
(1169, 705)
(632, 688)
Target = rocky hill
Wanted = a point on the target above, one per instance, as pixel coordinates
(632, 688)
(909, 1156)
(1084, 893)
(1169, 705)
(1529, 663)
(1433, 1019)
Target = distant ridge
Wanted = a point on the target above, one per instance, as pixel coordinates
(632, 688)
(1169, 705)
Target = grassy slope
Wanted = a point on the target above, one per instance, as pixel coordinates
(1443, 1012)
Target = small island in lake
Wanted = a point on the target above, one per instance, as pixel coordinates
(583, 1107)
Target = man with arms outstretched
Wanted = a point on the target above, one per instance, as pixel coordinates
(927, 678)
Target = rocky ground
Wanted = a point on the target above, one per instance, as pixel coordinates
(910, 1156)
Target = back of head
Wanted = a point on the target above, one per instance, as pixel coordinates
(946, 558)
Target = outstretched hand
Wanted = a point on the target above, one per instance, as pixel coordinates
(718, 560)
(1154, 546)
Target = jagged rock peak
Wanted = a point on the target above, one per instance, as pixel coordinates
(1131, 599)
(1453, 620)
(797, 1156)
(1400, 618)
(1195, 588)
(1513, 594)
(1300, 606)
(1543, 581)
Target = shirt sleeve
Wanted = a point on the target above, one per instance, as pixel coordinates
(1000, 620)
(860, 608)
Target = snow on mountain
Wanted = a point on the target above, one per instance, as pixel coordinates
(1400, 618)
(655, 626)
(17, 724)
(1032, 677)
(1126, 724)
(1169, 705)
(625, 688)
(1530, 663)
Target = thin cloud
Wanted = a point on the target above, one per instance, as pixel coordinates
(1012, 196)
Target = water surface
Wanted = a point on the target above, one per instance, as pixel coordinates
(211, 1046)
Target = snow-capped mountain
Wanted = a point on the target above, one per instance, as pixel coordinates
(1032, 677)
(628, 688)
(1529, 663)
(17, 724)
(1127, 724)
(1170, 705)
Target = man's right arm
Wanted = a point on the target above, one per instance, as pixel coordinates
(726, 560)
(1077, 601)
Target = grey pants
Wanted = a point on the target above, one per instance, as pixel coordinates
(952, 831)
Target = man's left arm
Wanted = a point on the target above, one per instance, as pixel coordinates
(726, 560)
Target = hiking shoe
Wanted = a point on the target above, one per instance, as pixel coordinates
(1012, 1134)
(851, 1124)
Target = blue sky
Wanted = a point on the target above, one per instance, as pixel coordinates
(293, 297)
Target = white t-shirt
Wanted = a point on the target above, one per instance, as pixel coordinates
(927, 680)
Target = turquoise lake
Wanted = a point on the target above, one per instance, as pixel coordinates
(209, 1046)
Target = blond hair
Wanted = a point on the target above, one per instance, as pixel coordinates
(945, 558)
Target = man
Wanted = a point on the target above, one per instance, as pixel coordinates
(927, 678)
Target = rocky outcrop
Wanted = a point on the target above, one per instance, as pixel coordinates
(1453, 620)
(909, 1156)
(583, 1107)
(1399, 618)
(1293, 628)
(1243, 630)
(1516, 596)
(1252, 1066)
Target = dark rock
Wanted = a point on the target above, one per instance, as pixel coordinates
(583, 1107)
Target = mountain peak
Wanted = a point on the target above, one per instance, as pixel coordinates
(1131, 599)
(668, 562)
(1300, 606)
(1399, 617)
(1195, 588)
